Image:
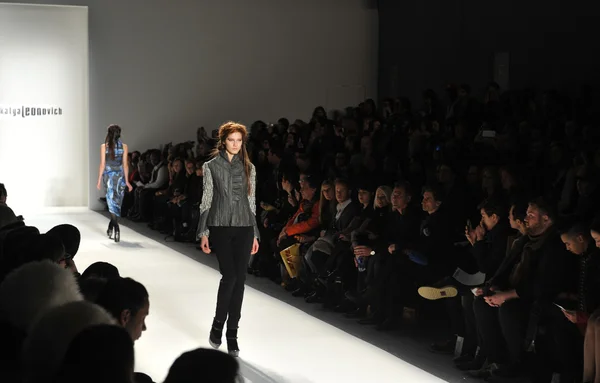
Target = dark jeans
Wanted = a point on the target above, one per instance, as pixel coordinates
(460, 313)
(179, 214)
(563, 351)
(232, 246)
(143, 203)
(393, 285)
(502, 329)
(471, 332)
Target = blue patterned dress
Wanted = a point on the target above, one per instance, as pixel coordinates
(114, 179)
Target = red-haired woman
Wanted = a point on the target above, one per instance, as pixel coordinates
(228, 216)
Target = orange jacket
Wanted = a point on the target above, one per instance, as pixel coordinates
(310, 224)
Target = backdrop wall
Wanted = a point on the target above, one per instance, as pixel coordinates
(162, 68)
(44, 105)
(428, 43)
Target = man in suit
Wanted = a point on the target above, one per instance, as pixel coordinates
(318, 255)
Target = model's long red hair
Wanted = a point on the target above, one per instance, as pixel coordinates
(224, 131)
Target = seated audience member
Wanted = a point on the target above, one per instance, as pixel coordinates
(178, 180)
(577, 240)
(204, 365)
(303, 225)
(327, 203)
(47, 343)
(391, 283)
(3, 194)
(318, 256)
(470, 361)
(134, 177)
(102, 270)
(26, 294)
(98, 354)
(8, 219)
(341, 260)
(183, 208)
(70, 237)
(535, 277)
(488, 240)
(274, 215)
(567, 323)
(91, 288)
(25, 245)
(128, 302)
(433, 250)
(145, 192)
(434, 255)
(365, 194)
(372, 227)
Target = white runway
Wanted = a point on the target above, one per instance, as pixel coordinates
(278, 342)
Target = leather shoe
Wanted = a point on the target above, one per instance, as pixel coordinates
(299, 292)
(369, 321)
(314, 298)
(387, 325)
(356, 313)
(344, 307)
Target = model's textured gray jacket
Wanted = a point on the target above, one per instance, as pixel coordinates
(225, 199)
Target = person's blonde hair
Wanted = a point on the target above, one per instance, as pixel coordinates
(323, 202)
(388, 194)
(227, 129)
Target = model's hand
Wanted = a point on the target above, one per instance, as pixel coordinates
(98, 186)
(254, 246)
(129, 187)
(204, 244)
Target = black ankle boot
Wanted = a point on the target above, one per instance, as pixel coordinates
(109, 231)
(216, 333)
(117, 233)
(232, 344)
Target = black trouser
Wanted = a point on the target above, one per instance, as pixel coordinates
(471, 333)
(144, 203)
(455, 307)
(502, 329)
(127, 204)
(564, 351)
(178, 215)
(394, 286)
(160, 208)
(317, 261)
(232, 246)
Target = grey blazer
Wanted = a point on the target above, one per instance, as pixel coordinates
(225, 200)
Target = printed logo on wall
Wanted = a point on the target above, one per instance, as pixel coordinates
(23, 111)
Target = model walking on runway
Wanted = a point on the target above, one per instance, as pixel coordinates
(228, 217)
(114, 171)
